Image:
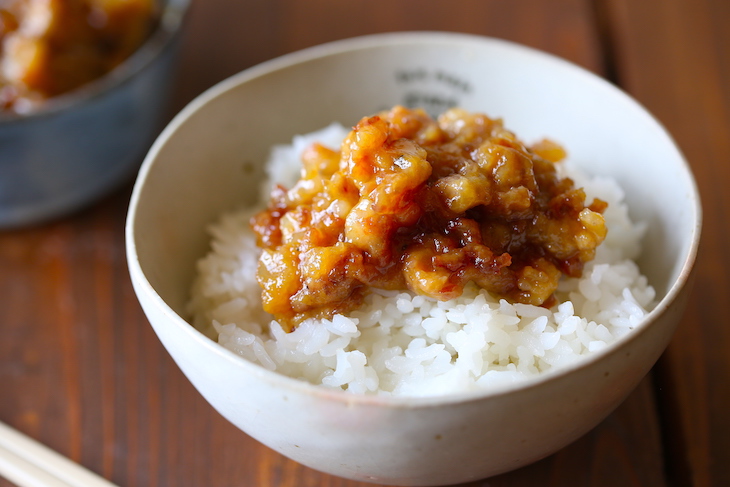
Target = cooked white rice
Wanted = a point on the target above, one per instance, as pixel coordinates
(399, 343)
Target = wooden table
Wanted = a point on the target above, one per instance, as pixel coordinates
(82, 371)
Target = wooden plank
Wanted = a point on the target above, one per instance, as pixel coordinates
(254, 31)
(674, 56)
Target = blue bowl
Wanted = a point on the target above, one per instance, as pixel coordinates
(81, 145)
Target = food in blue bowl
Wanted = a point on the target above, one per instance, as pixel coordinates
(84, 87)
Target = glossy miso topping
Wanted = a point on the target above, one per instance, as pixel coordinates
(49, 47)
(426, 205)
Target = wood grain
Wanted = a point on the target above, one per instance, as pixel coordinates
(674, 56)
(82, 371)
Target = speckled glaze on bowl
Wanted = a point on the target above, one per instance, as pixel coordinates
(81, 144)
(208, 161)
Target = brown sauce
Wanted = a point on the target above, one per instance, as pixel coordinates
(426, 205)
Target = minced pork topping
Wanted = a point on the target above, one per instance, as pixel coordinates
(410, 202)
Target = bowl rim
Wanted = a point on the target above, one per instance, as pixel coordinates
(276, 379)
(171, 18)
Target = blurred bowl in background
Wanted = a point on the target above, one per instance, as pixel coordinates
(83, 143)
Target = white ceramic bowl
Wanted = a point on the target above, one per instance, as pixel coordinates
(208, 161)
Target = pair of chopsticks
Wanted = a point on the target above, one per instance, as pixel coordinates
(27, 463)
